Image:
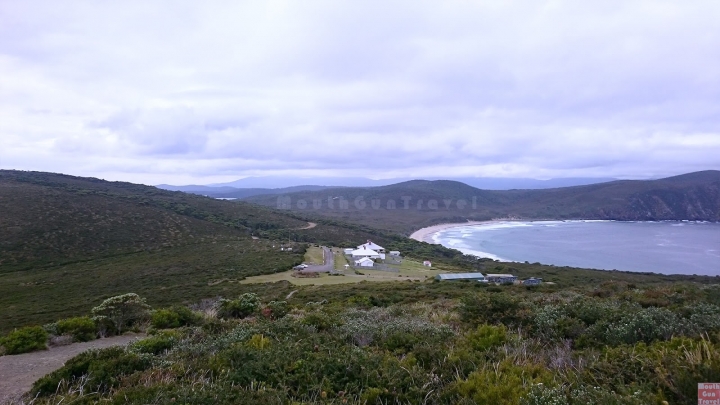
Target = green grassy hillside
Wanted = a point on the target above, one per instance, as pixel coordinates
(694, 196)
(68, 242)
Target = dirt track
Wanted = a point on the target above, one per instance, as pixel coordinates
(19, 372)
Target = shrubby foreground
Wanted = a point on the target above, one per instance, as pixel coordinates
(616, 344)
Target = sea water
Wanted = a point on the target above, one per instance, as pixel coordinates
(659, 247)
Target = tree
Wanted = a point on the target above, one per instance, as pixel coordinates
(122, 310)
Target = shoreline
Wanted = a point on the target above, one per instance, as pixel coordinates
(425, 234)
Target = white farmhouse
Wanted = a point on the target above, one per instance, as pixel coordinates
(372, 246)
(367, 253)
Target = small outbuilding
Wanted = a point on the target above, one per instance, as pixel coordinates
(394, 253)
(501, 278)
(532, 281)
(427, 263)
(461, 276)
(364, 262)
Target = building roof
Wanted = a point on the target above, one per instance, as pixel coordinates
(365, 252)
(501, 275)
(363, 260)
(460, 276)
(371, 245)
(394, 252)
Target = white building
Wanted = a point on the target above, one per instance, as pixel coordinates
(372, 246)
(367, 253)
(364, 262)
(394, 253)
(427, 263)
(501, 278)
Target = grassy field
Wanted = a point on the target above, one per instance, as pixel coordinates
(340, 260)
(314, 255)
(172, 276)
(408, 270)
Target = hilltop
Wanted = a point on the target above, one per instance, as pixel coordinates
(693, 196)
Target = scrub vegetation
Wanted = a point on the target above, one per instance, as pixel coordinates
(431, 342)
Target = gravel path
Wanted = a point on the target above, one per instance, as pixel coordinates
(20, 371)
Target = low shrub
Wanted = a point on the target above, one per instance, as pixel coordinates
(502, 384)
(157, 344)
(165, 319)
(486, 337)
(103, 370)
(82, 329)
(24, 340)
(246, 305)
(174, 317)
(277, 309)
(493, 308)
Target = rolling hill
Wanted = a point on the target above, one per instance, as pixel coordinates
(69, 242)
(693, 196)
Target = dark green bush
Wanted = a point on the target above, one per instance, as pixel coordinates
(104, 368)
(246, 305)
(278, 309)
(486, 337)
(491, 308)
(174, 317)
(82, 329)
(24, 340)
(155, 344)
(319, 320)
(165, 319)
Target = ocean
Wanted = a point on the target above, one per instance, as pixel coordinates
(658, 247)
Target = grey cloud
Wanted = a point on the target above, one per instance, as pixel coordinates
(519, 88)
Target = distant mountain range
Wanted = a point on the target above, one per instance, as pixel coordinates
(419, 203)
(251, 186)
(237, 193)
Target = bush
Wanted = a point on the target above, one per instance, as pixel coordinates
(122, 310)
(155, 344)
(486, 337)
(82, 329)
(319, 320)
(104, 370)
(24, 340)
(646, 325)
(503, 385)
(174, 317)
(491, 308)
(165, 319)
(278, 309)
(246, 305)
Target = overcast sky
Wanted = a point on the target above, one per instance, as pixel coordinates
(200, 92)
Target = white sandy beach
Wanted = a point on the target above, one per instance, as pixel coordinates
(426, 234)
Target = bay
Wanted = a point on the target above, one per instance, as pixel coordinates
(658, 247)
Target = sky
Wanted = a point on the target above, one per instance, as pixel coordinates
(189, 92)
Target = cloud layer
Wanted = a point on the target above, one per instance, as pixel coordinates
(176, 92)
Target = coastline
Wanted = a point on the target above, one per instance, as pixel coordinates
(426, 234)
